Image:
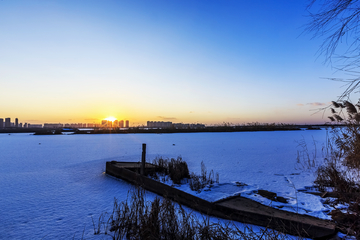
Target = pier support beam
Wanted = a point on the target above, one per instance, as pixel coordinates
(143, 156)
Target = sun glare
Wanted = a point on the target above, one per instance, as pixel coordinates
(110, 119)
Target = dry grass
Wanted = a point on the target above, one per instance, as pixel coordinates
(341, 171)
(304, 160)
(199, 182)
(137, 218)
(176, 169)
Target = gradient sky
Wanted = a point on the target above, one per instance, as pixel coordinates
(206, 61)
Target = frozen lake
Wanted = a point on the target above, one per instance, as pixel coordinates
(52, 186)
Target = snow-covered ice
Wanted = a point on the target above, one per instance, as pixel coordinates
(52, 186)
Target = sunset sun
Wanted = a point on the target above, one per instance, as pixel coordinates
(110, 119)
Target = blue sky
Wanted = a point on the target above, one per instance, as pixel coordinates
(182, 61)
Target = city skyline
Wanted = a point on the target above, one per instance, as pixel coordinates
(181, 61)
(108, 122)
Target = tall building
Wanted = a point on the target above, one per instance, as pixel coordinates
(121, 124)
(127, 123)
(1, 123)
(16, 122)
(116, 123)
(7, 123)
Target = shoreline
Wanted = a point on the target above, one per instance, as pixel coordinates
(48, 131)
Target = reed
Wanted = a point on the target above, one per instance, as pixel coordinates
(199, 182)
(137, 218)
(341, 171)
(176, 169)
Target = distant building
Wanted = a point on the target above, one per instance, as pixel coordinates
(20, 125)
(90, 125)
(35, 125)
(53, 125)
(75, 125)
(121, 124)
(116, 123)
(1, 123)
(25, 125)
(180, 126)
(127, 124)
(198, 125)
(188, 126)
(16, 122)
(104, 123)
(7, 123)
(159, 124)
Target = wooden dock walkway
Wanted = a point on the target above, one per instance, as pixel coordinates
(235, 208)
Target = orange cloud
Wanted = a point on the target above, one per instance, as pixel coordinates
(166, 118)
(316, 104)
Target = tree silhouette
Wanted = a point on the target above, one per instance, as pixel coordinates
(338, 23)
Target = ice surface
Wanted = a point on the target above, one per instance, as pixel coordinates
(52, 186)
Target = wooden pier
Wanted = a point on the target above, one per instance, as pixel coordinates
(235, 208)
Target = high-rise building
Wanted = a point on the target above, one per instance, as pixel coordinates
(1, 123)
(7, 123)
(127, 123)
(121, 124)
(25, 125)
(116, 123)
(16, 122)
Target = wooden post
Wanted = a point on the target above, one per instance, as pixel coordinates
(142, 169)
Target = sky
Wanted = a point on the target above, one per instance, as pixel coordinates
(190, 61)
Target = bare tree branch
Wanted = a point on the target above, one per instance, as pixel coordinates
(338, 22)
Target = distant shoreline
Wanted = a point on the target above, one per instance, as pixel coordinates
(257, 128)
(202, 130)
